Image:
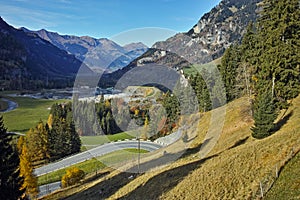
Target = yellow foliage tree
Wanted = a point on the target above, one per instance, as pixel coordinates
(107, 104)
(50, 121)
(145, 131)
(136, 112)
(26, 170)
(38, 149)
(72, 176)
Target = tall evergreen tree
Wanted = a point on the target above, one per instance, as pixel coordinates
(63, 140)
(228, 69)
(200, 85)
(279, 49)
(172, 108)
(10, 180)
(74, 139)
(57, 139)
(265, 114)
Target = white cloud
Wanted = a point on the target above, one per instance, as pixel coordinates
(20, 16)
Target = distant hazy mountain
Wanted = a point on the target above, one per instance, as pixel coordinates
(29, 62)
(98, 54)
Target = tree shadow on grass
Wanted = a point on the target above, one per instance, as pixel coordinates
(153, 188)
(110, 186)
(196, 149)
(167, 158)
(283, 121)
(167, 180)
(164, 181)
(240, 142)
(105, 188)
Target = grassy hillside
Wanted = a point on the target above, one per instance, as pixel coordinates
(288, 183)
(234, 169)
(192, 70)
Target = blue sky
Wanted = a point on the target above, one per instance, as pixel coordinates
(121, 20)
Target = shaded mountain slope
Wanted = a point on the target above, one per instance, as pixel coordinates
(29, 62)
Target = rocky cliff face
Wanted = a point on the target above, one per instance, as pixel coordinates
(224, 25)
(99, 54)
(214, 32)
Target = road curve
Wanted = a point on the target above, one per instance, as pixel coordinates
(96, 152)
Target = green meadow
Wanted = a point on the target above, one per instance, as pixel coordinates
(28, 113)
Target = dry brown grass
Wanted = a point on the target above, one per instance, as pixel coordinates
(236, 172)
(232, 170)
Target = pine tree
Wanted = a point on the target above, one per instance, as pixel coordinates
(200, 86)
(172, 108)
(265, 114)
(10, 180)
(228, 69)
(279, 49)
(249, 45)
(63, 139)
(74, 139)
(217, 90)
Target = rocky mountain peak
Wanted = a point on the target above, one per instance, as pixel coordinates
(214, 32)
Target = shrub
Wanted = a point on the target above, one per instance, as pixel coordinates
(72, 176)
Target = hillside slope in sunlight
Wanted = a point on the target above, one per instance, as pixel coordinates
(234, 169)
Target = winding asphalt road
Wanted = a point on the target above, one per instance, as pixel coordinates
(96, 152)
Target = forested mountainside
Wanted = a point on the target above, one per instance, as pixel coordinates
(29, 62)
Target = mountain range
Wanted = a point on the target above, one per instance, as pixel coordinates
(38, 59)
(99, 54)
(29, 62)
(38, 56)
